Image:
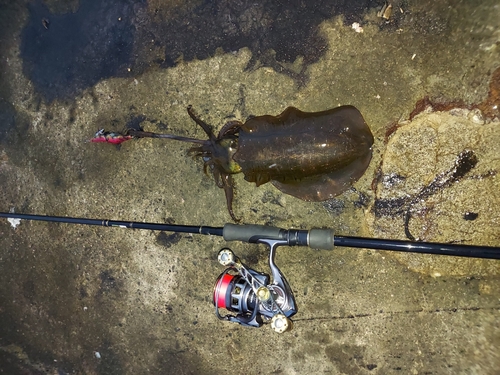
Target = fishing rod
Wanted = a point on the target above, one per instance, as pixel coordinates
(314, 238)
(252, 295)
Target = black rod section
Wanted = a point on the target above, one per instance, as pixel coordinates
(486, 252)
(122, 224)
(316, 238)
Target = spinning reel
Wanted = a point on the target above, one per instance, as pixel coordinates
(254, 296)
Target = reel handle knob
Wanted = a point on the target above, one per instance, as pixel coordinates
(226, 257)
(280, 323)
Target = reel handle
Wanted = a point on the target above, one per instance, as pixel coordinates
(314, 238)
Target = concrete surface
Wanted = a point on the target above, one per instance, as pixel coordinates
(91, 300)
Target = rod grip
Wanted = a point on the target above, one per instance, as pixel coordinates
(250, 233)
(315, 238)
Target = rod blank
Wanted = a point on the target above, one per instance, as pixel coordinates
(485, 252)
(320, 238)
(116, 223)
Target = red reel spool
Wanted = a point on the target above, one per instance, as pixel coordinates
(221, 296)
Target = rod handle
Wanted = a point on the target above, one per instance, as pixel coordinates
(314, 238)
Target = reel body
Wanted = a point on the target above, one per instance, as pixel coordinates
(255, 297)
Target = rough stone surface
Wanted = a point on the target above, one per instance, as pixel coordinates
(439, 176)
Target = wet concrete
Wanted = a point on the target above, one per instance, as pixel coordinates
(92, 300)
(63, 52)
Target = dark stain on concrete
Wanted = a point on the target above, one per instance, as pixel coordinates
(170, 361)
(109, 362)
(277, 33)
(70, 52)
(470, 216)
(408, 205)
(334, 206)
(349, 359)
(109, 285)
(167, 240)
(65, 53)
(289, 29)
(7, 119)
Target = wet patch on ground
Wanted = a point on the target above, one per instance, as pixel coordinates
(66, 53)
(7, 119)
(274, 32)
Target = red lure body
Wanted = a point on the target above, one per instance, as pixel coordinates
(110, 137)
